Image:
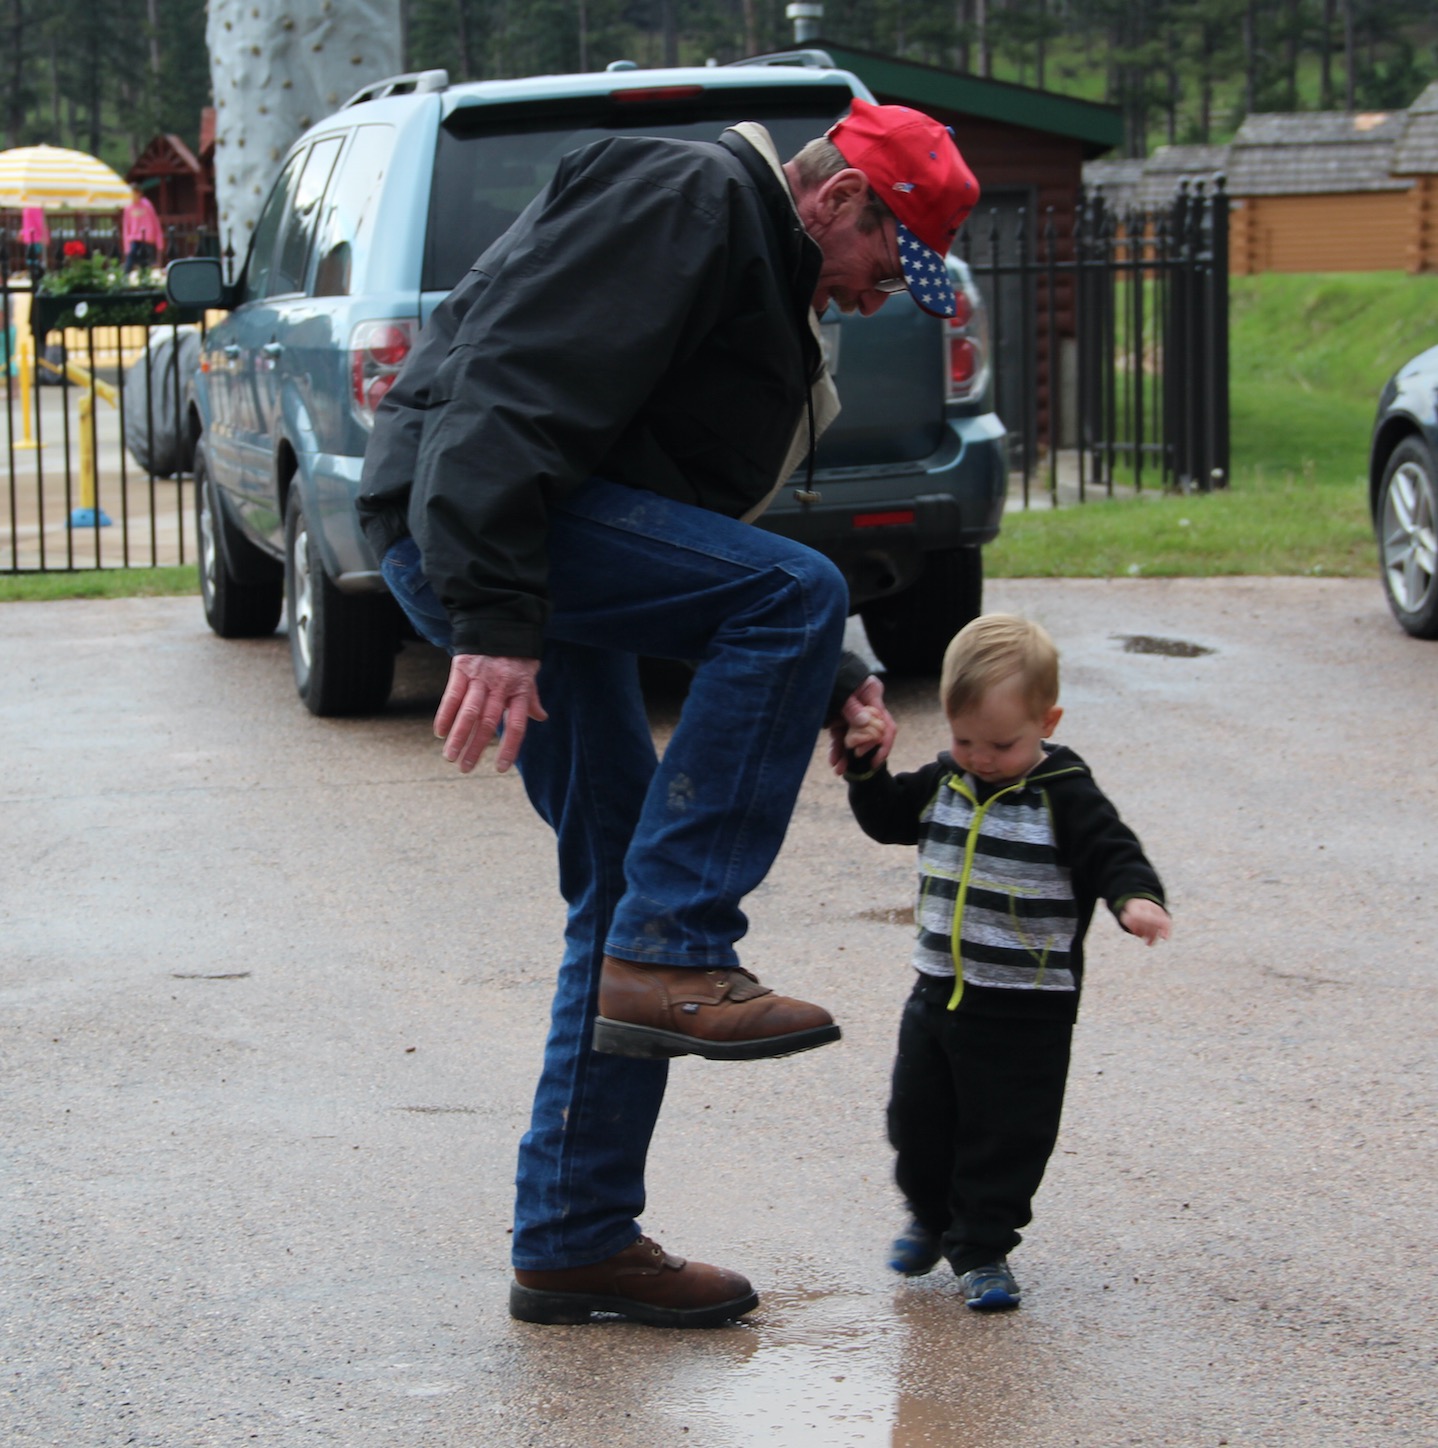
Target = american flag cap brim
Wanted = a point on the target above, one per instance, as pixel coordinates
(927, 275)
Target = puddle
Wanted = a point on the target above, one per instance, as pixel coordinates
(1168, 648)
(861, 1370)
(846, 1370)
(820, 1374)
(888, 915)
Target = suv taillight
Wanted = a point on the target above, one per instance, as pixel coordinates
(377, 352)
(965, 346)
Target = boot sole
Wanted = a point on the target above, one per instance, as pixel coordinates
(571, 1309)
(619, 1038)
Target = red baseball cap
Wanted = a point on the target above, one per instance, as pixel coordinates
(914, 167)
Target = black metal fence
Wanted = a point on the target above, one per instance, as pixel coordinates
(1110, 343)
(96, 456)
(1109, 337)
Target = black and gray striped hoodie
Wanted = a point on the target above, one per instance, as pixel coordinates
(1009, 875)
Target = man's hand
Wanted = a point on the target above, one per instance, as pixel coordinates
(867, 723)
(1147, 919)
(482, 693)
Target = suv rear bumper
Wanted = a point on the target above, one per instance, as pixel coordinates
(877, 524)
(956, 499)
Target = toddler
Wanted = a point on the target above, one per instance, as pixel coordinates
(1016, 845)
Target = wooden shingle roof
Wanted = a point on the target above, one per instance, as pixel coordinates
(1147, 185)
(1311, 153)
(1417, 148)
(1171, 166)
(1119, 181)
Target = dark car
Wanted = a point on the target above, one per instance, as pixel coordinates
(381, 208)
(1403, 493)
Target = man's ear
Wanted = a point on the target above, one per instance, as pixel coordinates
(845, 189)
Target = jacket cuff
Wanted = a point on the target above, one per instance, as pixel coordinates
(851, 675)
(499, 639)
(1116, 906)
(383, 527)
(859, 768)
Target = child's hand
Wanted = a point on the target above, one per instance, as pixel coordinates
(1147, 919)
(865, 731)
(866, 725)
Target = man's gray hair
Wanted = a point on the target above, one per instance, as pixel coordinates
(818, 161)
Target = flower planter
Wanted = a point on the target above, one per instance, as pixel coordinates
(132, 307)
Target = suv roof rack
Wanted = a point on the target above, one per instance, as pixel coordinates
(415, 82)
(809, 59)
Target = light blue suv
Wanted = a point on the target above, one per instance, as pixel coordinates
(380, 210)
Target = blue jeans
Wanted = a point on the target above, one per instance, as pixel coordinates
(654, 855)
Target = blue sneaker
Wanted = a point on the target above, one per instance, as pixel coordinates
(915, 1250)
(990, 1288)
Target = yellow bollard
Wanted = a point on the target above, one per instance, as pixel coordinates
(26, 356)
(87, 455)
(88, 515)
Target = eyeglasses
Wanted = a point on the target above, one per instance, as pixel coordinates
(891, 284)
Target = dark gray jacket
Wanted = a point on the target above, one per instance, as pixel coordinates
(645, 320)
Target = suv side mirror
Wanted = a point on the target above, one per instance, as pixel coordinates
(197, 282)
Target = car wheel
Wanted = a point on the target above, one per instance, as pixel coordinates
(1408, 537)
(342, 646)
(246, 605)
(909, 631)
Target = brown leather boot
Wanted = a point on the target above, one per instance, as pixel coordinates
(643, 1282)
(722, 1014)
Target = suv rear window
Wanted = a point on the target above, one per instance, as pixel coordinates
(491, 161)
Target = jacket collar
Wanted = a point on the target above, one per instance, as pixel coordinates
(1058, 761)
(754, 148)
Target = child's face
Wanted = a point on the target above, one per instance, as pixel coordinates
(999, 739)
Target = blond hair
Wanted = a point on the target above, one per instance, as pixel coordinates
(993, 649)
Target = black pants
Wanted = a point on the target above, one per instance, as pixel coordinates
(973, 1115)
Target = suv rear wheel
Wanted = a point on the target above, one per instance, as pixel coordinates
(342, 645)
(246, 605)
(909, 631)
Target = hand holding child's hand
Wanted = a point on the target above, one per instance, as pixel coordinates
(867, 724)
(1147, 919)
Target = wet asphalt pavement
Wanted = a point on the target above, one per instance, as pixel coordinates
(273, 989)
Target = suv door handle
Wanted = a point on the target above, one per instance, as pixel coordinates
(272, 349)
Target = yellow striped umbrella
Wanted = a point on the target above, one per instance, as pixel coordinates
(59, 180)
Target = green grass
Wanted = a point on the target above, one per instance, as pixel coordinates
(1264, 524)
(99, 583)
(1308, 357)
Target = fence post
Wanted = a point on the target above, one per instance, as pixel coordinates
(1108, 378)
(1058, 383)
(1138, 246)
(1218, 403)
(1176, 342)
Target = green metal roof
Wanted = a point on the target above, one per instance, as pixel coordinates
(1099, 127)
